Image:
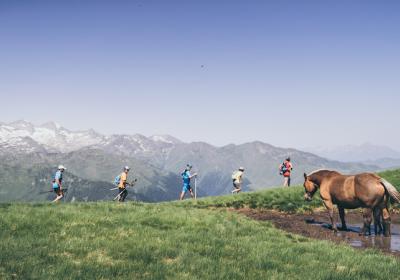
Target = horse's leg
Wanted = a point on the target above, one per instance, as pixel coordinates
(386, 221)
(342, 214)
(367, 216)
(377, 220)
(329, 206)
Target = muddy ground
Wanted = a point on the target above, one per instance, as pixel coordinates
(317, 225)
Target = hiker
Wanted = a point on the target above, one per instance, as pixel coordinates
(285, 169)
(123, 183)
(186, 176)
(237, 180)
(57, 183)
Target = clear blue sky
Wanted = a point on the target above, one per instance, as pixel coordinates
(290, 73)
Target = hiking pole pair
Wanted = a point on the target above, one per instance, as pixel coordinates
(119, 195)
(43, 192)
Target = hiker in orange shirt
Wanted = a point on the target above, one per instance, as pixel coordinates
(123, 192)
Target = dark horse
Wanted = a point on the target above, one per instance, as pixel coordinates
(365, 190)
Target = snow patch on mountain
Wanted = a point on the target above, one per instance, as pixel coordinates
(55, 138)
(165, 139)
(50, 135)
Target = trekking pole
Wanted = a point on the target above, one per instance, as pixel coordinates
(119, 194)
(195, 188)
(43, 192)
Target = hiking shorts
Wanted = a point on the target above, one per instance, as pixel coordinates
(237, 185)
(186, 188)
(57, 190)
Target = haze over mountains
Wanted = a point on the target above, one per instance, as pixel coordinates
(382, 156)
(31, 152)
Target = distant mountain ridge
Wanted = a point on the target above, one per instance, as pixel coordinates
(156, 160)
(352, 153)
(382, 156)
(23, 136)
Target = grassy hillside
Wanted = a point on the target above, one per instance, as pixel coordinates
(282, 199)
(175, 240)
(393, 176)
(163, 241)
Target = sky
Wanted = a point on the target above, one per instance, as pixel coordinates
(289, 73)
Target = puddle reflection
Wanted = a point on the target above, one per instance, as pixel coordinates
(389, 244)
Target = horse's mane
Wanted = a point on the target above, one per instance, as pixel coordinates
(322, 170)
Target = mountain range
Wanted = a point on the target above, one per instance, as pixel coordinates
(30, 154)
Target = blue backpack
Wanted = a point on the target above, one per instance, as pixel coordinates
(117, 180)
(283, 168)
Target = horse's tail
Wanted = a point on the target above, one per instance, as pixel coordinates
(391, 190)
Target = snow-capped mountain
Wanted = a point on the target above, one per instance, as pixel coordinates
(23, 136)
(21, 145)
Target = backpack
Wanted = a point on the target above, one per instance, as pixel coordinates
(234, 175)
(54, 178)
(117, 180)
(283, 169)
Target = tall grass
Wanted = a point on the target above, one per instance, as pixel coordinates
(163, 241)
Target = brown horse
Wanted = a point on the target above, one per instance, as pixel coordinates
(365, 190)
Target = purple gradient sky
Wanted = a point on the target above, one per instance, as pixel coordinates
(290, 73)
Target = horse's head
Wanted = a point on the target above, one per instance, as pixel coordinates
(309, 187)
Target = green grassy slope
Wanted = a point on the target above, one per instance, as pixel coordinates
(163, 241)
(393, 176)
(175, 240)
(282, 199)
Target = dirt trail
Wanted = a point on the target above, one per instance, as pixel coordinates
(316, 225)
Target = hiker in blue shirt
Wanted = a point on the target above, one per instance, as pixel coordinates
(186, 176)
(57, 183)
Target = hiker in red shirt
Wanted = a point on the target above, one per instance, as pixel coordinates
(285, 170)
